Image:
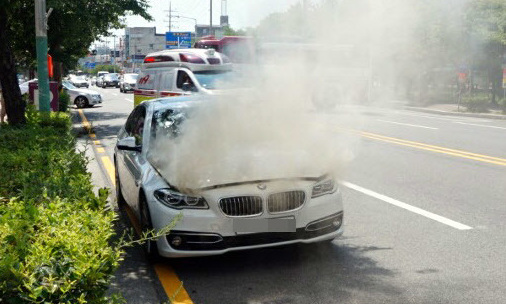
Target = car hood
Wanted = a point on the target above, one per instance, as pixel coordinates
(84, 91)
(238, 168)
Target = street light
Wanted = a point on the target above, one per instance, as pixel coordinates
(194, 19)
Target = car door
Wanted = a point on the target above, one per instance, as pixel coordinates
(131, 173)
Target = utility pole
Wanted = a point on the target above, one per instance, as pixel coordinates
(41, 46)
(210, 17)
(170, 15)
(114, 53)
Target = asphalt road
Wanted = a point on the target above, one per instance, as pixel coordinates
(425, 203)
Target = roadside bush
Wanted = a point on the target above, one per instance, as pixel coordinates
(477, 103)
(64, 101)
(55, 232)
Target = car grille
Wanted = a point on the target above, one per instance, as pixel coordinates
(241, 205)
(285, 201)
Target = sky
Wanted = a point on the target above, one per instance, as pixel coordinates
(242, 13)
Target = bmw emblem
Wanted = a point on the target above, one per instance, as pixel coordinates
(262, 186)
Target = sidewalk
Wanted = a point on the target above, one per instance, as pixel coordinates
(452, 109)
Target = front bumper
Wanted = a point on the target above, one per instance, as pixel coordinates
(95, 99)
(110, 83)
(192, 241)
(209, 232)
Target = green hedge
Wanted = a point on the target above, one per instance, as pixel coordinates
(55, 233)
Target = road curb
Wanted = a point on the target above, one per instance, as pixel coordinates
(448, 113)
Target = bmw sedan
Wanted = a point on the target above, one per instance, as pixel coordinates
(220, 217)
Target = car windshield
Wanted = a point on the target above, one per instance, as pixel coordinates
(111, 76)
(131, 77)
(166, 123)
(213, 80)
(68, 85)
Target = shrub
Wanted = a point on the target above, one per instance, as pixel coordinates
(477, 103)
(55, 232)
(64, 101)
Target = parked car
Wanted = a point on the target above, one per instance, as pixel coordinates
(223, 216)
(110, 80)
(93, 80)
(79, 81)
(127, 82)
(82, 98)
(24, 87)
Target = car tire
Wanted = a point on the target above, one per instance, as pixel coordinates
(121, 90)
(150, 248)
(120, 199)
(81, 102)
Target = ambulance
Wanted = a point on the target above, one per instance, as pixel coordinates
(181, 72)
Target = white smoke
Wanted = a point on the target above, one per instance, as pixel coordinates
(301, 98)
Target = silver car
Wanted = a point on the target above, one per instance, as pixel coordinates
(82, 98)
(79, 81)
(222, 216)
(127, 82)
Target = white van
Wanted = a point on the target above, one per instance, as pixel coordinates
(181, 72)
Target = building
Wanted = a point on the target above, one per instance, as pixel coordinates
(140, 41)
(202, 30)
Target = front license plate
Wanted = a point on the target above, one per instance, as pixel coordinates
(244, 225)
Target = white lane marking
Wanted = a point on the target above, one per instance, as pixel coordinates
(455, 118)
(129, 100)
(485, 126)
(427, 214)
(409, 125)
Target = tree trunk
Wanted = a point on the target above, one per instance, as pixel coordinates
(14, 104)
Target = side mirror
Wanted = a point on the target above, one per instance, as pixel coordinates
(128, 144)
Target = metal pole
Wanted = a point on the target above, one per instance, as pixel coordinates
(114, 53)
(41, 46)
(210, 17)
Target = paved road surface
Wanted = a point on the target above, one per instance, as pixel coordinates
(425, 203)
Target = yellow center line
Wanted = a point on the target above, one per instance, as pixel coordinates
(437, 149)
(168, 278)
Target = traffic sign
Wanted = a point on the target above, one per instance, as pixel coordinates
(178, 40)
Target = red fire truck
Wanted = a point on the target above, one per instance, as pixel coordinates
(239, 49)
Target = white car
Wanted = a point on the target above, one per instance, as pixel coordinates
(82, 98)
(127, 82)
(222, 217)
(79, 81)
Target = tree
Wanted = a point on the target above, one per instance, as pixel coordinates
(73, 26)
(487, 23)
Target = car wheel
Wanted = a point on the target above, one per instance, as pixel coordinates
(81, 102)
(150, 248)
(121, 90)
(120, 199)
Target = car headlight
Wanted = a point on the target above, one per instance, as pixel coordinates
(327, 186)
(178, 200)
